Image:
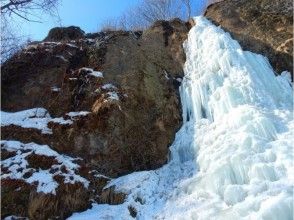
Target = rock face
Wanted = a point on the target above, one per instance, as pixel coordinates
(65, 33)
(262, 26)
(126, 82)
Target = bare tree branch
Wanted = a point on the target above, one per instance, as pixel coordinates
(149, 11)
(28, 10)
(14, 3)
(23, 17)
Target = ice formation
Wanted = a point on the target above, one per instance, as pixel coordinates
(232, 158)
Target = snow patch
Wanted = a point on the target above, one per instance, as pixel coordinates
(14, 217)
(55, 89)
(62, 58)
(37, 118)
(77, 114)
(166, 75)
(109, 86)
(113, 96)
(96, 174)
(91, 72)
(72, 45)
(18, 166)
(102, 212)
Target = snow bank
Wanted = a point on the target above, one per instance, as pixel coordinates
(101, 212)
(17, 166)
(37, 118)
(232, 158)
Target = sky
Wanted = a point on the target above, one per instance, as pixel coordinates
(87, 14)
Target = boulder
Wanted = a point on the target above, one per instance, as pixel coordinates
(65, 33)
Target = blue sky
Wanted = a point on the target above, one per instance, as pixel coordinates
(87, 14)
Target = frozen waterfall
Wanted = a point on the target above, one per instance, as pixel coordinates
(233, 156)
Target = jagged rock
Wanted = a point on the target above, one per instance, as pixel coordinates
(65, 33)
(128, 83)
(69, 198)
(110, 196)
(23, 197)
(264, 27)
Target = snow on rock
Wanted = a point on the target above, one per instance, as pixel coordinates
(166, 75)
(37, 118)
(18, 166)
(96, 174)
(13, 217)
(232, 157)
(91, 72)
(77, 114)
(48, 44)
(112, 96)
(62, 58)
(109, 86)
(72, 45)
(55, 89)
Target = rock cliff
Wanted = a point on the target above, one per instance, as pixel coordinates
(106, 104)
(261, 26)
(119, 92)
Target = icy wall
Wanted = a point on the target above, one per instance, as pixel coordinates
(232, 158)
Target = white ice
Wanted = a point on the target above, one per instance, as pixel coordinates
(232, 158)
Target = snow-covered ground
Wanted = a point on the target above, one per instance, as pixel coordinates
(37, 118)
(17, 166)
(232, 158)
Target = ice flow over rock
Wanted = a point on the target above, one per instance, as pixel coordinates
(232, 158)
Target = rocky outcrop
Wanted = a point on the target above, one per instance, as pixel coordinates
(109, 196)
(125, 84)
(65, 33)
(262, 26)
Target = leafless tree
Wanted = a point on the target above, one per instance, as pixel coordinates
(110, 25)
(10, 41)
(148, 11)
(27, 10)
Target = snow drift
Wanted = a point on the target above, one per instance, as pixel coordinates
(232, 158)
